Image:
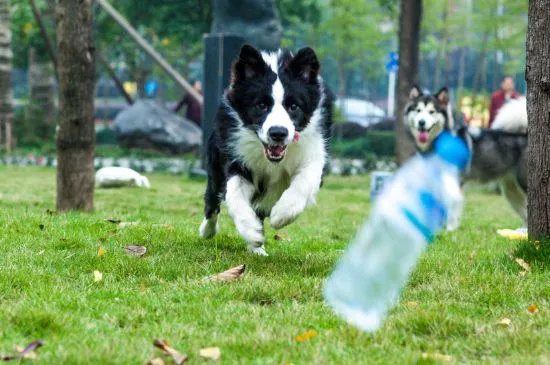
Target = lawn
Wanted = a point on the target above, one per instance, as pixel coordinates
(464, 285)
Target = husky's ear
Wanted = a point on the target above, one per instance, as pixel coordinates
(443, 96)
(415, 92)
(305, 65)
(249, 64)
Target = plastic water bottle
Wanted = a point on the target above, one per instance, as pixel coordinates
(408, 213)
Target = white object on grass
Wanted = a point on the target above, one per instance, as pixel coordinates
(116, 177)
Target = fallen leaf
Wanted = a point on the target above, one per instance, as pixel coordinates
(178, 357)
(142, 289)
(26, 353)
(533, 308)
(306, 336)
(522, 274)
(41, 226)
(436, 357)
(523, 264)
(228, 275)
(537, 245)
(280, 237)
(163, 225)
(211, 353)
(114, 221)
(127, 224)
(41, 252)
(155, 361)
(481, 330)
(135, 250)
(101, 251)
(50, 212)
(98, 276)
(412, 303)
(505, 322)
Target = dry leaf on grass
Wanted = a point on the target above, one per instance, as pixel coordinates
(533, 308)
(120, 223)
(505, 322)
(101, 251)
(155, 361)
(26, 353)
(178, 357)
(306, 336)
(211, 353)
(98, 276)
(50, 212)
(411, 303)
(436, 357)
(163, 225)
(523, 264)
(135, 250)
(481, 330)
(281, 237)
(228, 275)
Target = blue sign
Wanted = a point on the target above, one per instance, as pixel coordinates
(392, 63)
(151, 87)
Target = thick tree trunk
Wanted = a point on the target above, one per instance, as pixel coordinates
(538, 109)
(6, 56)
(76, 139)
(407, 76)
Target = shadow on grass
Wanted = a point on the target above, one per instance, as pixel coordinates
(536, 253)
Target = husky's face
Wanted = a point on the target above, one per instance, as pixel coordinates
(275, 95)
(426, 116)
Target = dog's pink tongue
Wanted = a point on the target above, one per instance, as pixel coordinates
(296, 137)
(276, 150)
(423, 137)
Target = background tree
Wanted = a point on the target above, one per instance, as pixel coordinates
(538, 108)
(6, 112)
(407, 76)
(76, 139)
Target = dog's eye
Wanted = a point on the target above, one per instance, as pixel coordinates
(293, 107)
(432, 111)
(262, 106)
(418, 110)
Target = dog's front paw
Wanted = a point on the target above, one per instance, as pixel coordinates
(209, 228)
(287, 209)
(257, 250)
(252, 230)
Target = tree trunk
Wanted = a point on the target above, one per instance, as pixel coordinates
(76, 138)
(409, 41)
(6, 56)
(538, 109)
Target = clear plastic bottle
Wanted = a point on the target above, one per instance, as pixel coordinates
(408, 213)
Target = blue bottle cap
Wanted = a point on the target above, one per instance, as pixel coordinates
(452, 149)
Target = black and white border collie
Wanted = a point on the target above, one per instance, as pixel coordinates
(268, 150)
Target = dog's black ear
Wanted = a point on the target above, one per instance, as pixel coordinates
(443, 96)
(250, 63)
(415, 92)
(305, 65)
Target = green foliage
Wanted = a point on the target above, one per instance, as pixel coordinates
(371, 145)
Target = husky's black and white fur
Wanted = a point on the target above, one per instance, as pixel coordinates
(496, 154)
(268, 150)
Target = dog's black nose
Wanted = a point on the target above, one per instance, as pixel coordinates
(422, 123)
(277, 134)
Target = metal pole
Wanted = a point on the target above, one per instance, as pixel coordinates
(150, 50)
(391, 93)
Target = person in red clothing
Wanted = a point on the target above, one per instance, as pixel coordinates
(506, 92)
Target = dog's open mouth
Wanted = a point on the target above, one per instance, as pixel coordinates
(423, 134)
(274, 152)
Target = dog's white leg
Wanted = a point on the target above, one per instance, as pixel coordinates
(209, 227)
(302, 191)
(237, 197)
(515, 195)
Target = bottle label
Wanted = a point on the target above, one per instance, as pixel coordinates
(433, 215)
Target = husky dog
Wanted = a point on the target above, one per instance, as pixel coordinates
(496, 154)
(268, 149)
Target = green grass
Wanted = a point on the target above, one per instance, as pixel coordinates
(466, 281)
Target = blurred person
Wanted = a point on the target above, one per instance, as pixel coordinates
(194, 110)
(500, 97)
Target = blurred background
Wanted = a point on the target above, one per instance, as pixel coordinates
(466, 45)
